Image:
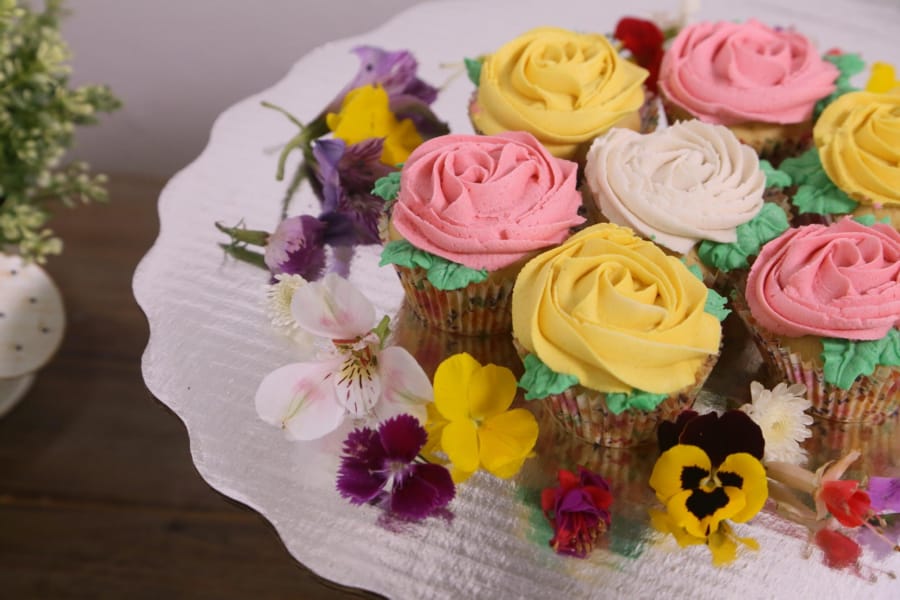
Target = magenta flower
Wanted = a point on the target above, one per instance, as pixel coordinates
(578, 510)
(381, 467)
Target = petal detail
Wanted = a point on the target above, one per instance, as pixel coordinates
(451, 384)
(753, 484)
(701, 512)
(674, 467)
(404, 382)
(332, 308)
(357, 390)
(298, 399)
(459, 439)
(402, 437)
(491, 391)
(426, 489)
(506, 440)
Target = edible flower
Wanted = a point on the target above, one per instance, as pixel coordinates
(353, 374)
(712, 474)
(578, 511)
(883, 78)
(382, 467)
(644, 40)
(780, 414)
(365, 114)
(473, 421)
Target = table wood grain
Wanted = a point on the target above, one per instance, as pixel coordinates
(98, 494)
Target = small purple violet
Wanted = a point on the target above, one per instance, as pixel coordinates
(381, 467)
(296, 248)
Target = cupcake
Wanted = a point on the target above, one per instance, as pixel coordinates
(692, 188)
(854, 167)
(470, 211)
(762, 83)
(823, 305)
(565, 88)
(614, 334)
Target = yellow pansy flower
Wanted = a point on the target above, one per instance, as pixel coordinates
(475, 427)
(365, 113)
(883, 78)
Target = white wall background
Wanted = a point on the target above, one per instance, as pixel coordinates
(177, 64)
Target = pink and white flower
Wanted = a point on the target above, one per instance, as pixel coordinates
(353, 375)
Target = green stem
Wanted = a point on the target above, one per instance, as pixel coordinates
(248, 256)
(238, 234)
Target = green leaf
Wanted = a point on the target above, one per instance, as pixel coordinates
(540, 381)
(768, 224)
(638, 399)
(845, 360)
(401, 252)
(816, 193)
(388, 187)
(869, 220)
(473, 69)
(774, 177)
(715, 302)
(446, 275)
(848, 65)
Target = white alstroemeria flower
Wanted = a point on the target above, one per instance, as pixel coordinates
(780, 413)
(354, 374)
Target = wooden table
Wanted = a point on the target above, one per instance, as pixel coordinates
(98, 494)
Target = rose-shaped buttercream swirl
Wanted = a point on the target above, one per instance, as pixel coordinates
(858, 137)
(564, 87)
(616, 312)
(838, 281)
(486, 201)
(677, 186)
(730, 73)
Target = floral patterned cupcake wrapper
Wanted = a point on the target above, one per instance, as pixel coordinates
(871, 399)
(583, 413)
(477, 309)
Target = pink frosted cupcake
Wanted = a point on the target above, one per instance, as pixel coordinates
(823, 304)
(762, 83)
(470, 211)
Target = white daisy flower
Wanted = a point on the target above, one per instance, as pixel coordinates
(780, 413)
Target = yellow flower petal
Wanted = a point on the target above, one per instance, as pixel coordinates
(662, 521)
(723, 545)
(458, 475)
(506, 440)
(365, 113)
(451, 386)
(434, 426)
(883, 78)
(700, 512)
(460, 442)
(491, 391)
(750, 476)
(674, 467)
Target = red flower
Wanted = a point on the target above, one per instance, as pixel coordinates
(645, 42)
(847, 503)
(840, 551)
(578, 510)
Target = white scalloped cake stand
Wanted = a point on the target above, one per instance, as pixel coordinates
(210, 344)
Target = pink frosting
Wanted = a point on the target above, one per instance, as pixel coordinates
(840, 281)
(729, 73)
(486, 201)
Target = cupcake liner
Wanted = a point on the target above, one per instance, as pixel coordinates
(878, 445)
(477, 309)
(871, 399)
(583, 413)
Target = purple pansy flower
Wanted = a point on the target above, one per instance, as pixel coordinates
(381, 467)
(296, 248)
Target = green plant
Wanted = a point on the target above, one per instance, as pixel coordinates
(38, 115)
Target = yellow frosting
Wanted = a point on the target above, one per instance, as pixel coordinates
(858, 137)
(616, 312)
(566, 88)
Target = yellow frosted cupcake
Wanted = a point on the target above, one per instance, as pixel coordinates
(563, 87)
(615, 334)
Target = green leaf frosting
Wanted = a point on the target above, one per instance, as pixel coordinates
(540, 381)
(473, 70)
(869, 220)
(388, 187)
(446, 275)
(848, 65)
(816, 193)
(639, 399)
(768, 224)
(845, 360)
(774, 177)
(442, 273)
(715, 302)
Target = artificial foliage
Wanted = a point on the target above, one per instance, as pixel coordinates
(38, 116)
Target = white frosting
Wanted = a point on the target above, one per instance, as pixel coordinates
(677, 186)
